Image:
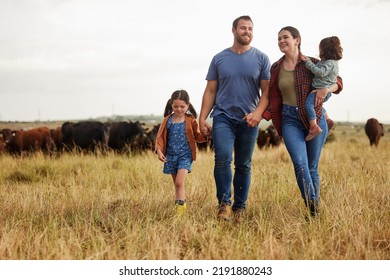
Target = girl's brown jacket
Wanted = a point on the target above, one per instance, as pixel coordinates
(192, 132)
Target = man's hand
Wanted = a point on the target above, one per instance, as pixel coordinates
(252, 119)
(205, 128)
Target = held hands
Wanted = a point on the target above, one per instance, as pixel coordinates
(205, 128)
(252, 119)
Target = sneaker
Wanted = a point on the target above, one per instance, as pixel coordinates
(180, 207)
(313, 133)
(239, 215)
(224, 211)
(331, 125)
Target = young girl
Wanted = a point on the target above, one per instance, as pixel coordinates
(325, 74)
(176, 142)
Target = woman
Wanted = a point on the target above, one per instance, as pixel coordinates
(290, 84)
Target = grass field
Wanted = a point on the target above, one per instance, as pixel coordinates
(121, 207)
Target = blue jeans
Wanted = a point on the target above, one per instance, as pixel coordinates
(305, 155)
(309, 105)
(231, 135)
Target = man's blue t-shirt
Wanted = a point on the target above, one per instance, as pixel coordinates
(238, 77)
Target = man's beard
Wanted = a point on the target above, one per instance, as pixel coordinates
(243, 42)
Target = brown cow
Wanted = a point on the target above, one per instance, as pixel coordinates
(374, 130)
(31, 140)
(268, 137)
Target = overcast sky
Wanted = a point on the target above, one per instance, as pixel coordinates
(77, 59)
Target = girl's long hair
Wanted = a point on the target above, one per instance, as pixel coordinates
(181, 95)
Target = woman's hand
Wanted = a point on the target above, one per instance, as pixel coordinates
(320, 95)
(252, 119)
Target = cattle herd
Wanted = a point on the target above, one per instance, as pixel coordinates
(89, 136)
(120, 137)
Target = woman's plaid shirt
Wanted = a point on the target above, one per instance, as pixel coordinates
(303, 86)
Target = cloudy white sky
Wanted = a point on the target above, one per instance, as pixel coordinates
(76, 59)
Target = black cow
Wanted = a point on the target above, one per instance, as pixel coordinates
(85, 135)
(151, 136)
(204, 145)
(374, 131)
(56, 138)
(126, 136)
(2, 146)
(268, 137)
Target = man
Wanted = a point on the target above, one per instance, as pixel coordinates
(232, 96)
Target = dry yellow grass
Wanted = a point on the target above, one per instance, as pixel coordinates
(120, 207)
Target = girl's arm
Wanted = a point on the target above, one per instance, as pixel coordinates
(321, 70)
(160, 143)
(161, 156)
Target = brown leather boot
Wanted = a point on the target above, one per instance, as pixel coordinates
(224, 211)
